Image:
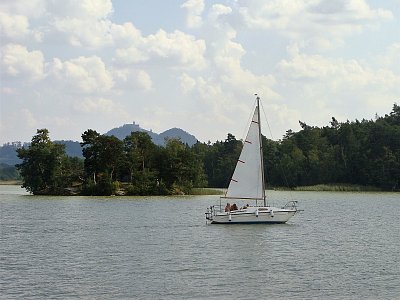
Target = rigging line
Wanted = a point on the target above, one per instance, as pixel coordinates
(280, 161)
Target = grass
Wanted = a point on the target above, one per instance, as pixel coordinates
(206, 191)
(337, 188)
(10, 182)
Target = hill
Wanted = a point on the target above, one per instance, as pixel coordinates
(158, 139)
(8, 155)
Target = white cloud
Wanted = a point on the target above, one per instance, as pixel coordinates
(335, 87)
(27, 124)
(176, 48)
(130, 55)
(100, 110)
(319, 23)
(144, 80)
(218, 10)
(80, 9)
(13, 26)
(187, 83)
(336, 73)
(31, 8)
(84, 33)
(83, 23)
(95, 105)
(125, 34)
(87, 75)
(391, 58)
(131, 79)
(194, 10)
(19, 63)
(28, 118)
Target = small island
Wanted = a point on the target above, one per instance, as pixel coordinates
(349, 154)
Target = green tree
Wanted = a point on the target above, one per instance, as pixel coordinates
(140, 154)
(221, 161)
(41, 162)
(103, 155)
(180, 168)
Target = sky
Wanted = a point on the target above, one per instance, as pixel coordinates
(74, 65)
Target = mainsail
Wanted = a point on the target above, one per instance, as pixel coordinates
(247, 179)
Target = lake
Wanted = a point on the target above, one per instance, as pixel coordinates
(343, 246)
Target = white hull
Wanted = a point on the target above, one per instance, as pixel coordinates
(252, 215)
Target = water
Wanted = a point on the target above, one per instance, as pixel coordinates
(343, 246)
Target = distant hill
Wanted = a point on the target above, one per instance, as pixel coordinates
(177, 133)
(158, 139)
(126, 129)
(8, 154)
(72, 148)
(8, 172)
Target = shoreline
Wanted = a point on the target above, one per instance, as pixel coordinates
(10, 182)
(310, 188)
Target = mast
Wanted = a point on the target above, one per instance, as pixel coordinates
(261, 151)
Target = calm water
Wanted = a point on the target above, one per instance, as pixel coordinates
(343, 246)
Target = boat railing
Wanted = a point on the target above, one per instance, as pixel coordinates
(210, 212)
(291, 205)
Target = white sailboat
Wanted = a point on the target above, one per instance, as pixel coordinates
(247, 183)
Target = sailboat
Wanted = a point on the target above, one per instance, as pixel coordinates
(248, 184)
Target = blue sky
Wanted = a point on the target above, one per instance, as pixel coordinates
(72, 65)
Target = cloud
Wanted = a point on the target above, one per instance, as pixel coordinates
(81, 9)
(130, 55)
(335, 87)
(176, 47)
(87, 75)
(319, 23)
(31, 8)
(99, 110)
(176, 50)
(84, 33)
(194, 10)
(391, 58)
(13, 26)
(27, 123)
(187, 83)
(337, 73)
(132, 79)
(19, 63)
(95, 105)
(83, 23)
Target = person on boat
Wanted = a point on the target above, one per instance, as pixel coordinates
(245, 206)
(228, 207)
(234, 207)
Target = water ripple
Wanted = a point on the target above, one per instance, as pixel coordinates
(343, 246)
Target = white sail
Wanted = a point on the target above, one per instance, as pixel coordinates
(247, 180)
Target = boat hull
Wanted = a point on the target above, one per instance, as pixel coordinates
(258, 215)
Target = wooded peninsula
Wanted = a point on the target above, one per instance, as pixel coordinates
(365, 153)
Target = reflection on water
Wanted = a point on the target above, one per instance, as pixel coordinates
(344, 245)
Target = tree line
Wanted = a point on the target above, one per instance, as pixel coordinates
(363, 152)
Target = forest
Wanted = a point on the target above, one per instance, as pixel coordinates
(365, 153)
